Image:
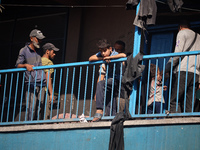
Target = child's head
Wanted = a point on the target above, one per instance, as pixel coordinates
(119, 46)
(153, 71)
(104, 47)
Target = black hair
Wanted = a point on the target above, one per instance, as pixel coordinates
(44, 50)
(184, 23)
(152, 71)
(119, 42)
(103, 43)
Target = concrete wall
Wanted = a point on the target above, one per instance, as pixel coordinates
(161, 134)
(88, 25)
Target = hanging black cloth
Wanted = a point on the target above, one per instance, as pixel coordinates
(117, 132)
(133, 70)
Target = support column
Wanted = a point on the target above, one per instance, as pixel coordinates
(136, 50)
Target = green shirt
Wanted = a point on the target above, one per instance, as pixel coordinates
(46, 62)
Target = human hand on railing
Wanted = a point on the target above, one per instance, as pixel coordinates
(107, 59)
(29, 67)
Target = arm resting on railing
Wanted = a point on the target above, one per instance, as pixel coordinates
(27, 66)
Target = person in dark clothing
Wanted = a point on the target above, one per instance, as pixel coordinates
(106, 52)
(29, 57)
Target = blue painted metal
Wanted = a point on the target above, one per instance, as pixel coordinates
(79, 86)
(58, 104)
(93, 74)
(177, 95)
(112, 92)
(186, 84)
(34, 98)
(163, 77)
(148, 86)
(167, 137)
(170, 85)
(194, 82)
(11, 81)
(41, 94)
(3, 98)
(22, 92)
(72, 90)
(120, 83)
(156, 74)
(27, 98)
(67, 75)
(5, 120)
(53, 92)
(46, 96)
(86, 80)
(136, 50)
(16, 89)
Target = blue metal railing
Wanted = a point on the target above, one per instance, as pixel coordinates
(74, 85)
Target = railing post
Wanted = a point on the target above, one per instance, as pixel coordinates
(136, 50)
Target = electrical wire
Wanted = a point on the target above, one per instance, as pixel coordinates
(190, 9)
(66, 6)
(86, 6)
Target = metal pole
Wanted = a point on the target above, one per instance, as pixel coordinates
(136, 50)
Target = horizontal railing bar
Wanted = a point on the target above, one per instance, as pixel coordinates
(100, 62)
(103, 118)
(171, 54)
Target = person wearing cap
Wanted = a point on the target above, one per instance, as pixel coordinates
(49, 53)
(106, 52)
(29, 57)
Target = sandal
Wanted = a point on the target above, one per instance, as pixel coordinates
(97, 117)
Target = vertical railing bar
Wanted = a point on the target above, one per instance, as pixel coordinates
(80, 73)
(72, 91)
(163, 77)
(178, 84)
(93, 74)
(34, 97)
(66, 83)
(140, 87)
(120, 82)
(186, 84)
(59, 92)
(148, 80)
(107, 68)
(4, 94)
(113, 81)
(54, 79)
(155, 85)
(100, 72)
(194, 83)
(170, 84)
(86, 80)
(9, 96)
(41, 85)
(15, 95)
(22, 93)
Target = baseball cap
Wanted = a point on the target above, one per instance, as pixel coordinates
(49, 46)
(103, 43)
(37, 33)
